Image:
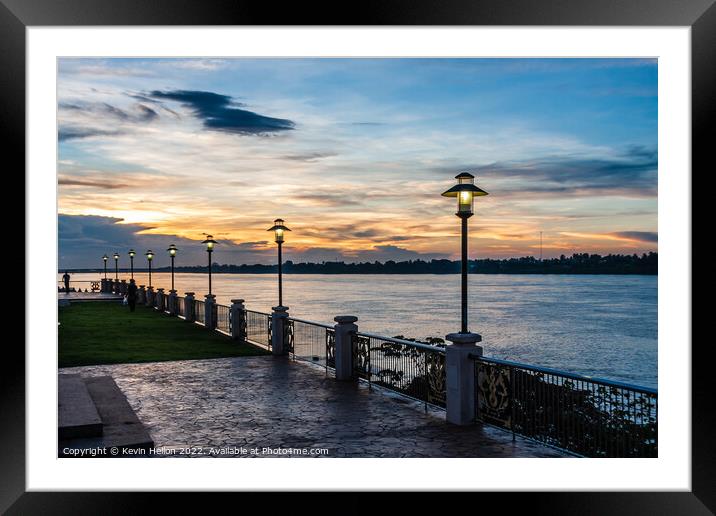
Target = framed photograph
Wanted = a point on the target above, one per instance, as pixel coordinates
(390, 250)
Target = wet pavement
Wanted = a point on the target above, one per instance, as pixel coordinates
(271, 406)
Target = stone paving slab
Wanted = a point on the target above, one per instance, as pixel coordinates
(76, 412)
(220, 406)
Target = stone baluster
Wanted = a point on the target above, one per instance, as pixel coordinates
(345, 328)
(189, 314)
(278, 340)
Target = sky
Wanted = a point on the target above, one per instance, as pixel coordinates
(353, 154)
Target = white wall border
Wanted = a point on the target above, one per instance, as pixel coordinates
(670, 471)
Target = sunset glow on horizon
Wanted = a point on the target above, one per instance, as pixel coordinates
(354, 154)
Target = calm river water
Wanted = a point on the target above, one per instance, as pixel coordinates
(604, 326)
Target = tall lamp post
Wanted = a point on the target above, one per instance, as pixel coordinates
(131, 262)
(278, 228)
(116, 266)
(209, 248)
(105, 258)
(149, 254)
(465, 190)
(172, 253)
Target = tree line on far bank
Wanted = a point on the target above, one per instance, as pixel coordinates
(578, 263)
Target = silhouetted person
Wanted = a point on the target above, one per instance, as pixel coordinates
(132, 295)
(66, 280)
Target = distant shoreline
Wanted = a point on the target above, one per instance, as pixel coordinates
(584, 263)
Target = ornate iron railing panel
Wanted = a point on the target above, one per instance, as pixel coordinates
(330, 348)
(258, 328)
(586, 416)
(309, 340)
(199, 311)
(223, 318)
(413, 369)
(288, 335)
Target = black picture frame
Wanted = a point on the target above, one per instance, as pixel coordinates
(17, 15)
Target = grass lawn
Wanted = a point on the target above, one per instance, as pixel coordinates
(93, 333)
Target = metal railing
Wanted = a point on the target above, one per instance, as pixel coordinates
(258, 328)
(181, 306)
(586, 416)
(199, 311)
(80, 286)
(223, 319)
(413, 369)
(312, 342)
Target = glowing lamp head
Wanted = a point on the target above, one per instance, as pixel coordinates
(149, 254)
(116, 256)
(132, 253)
(465, 190)
(172, 250)
(279, 229)
(210, 242)
(105, 258)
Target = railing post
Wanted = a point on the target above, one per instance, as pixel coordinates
(238, 320)
(160, 299)
(210, 311)
(172, 302)
(278, 342)
(103, 283)
(460, 377)
(150, 296)
(141, 295)
(189, 314)
(116, 286)
(345, 328)
(123, 287)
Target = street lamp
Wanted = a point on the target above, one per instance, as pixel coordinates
(149, 254)
(278, 228)
(465, 191)
(172, 253)
(116, 266)
(105, 258)
(209, 248)
(131, 262)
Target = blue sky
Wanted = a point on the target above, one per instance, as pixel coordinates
(354, 154)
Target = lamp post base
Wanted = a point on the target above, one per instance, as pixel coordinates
(460, 376)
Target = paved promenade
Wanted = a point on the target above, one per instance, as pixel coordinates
(276, 403)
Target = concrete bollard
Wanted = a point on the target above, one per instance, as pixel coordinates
(238, 320)
(189, 314)
(141, 295)
(161, 301)
(123, 287)
(345, 328)
(151, 296)
(210, 311)
(278, 339)
(172, 302)
(460, 377)
(103, 285)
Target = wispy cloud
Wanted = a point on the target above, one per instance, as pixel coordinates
(106, 184)
(639, 236)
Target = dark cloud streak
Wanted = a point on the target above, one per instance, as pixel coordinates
(221, 113)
